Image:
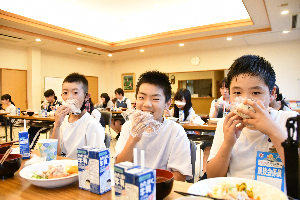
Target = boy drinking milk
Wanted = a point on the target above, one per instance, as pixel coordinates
(169, 148)
(75, 129)
(237, 140)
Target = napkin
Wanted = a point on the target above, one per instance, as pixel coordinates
(198, 120)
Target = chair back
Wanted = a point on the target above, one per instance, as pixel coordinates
(107, 140)
(193, 160)
(107, 118)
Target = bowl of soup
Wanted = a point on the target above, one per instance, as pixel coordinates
(11, 164)
(164, 183)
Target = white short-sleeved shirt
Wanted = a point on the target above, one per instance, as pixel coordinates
(80, 133)
(191, 113)
(11, 109)
(168, 149)
(243, 156)
(212, 106)
(96, 114)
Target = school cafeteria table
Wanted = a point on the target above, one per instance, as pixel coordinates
(27, 117)
(5, 122)
(17, 188)
(197, 127)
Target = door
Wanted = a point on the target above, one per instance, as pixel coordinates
(14, 83)
(93, 88)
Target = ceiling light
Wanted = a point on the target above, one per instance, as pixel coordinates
(181, 44)
(284, 12)
(79, 48)
(285, 31)
(38, 40)
(229, 38)
(142, 50)
(109, 55)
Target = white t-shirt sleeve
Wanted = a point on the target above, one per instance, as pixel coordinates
(124, 136)
(11, 109)
(180, 156)
(128, 102)
(96, 114)
(191, 113)
(218, 140)
(109, 104)
(212, 108)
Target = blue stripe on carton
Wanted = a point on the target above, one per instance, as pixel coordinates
(24, 145)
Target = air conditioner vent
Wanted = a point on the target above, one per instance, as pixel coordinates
(10, 36)
(89, 52)
(295, 22)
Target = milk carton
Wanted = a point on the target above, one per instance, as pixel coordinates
(24, 144)
(119, 173)
(140, 184)
(100, 177)
(83, 167)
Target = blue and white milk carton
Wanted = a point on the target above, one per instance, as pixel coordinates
(83, 167)
(24, 144)
(140, 184)
(100, 175)
(119, 175)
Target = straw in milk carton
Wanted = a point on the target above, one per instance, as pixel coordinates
(100, 176)
(83, 167)
(119, 175)
(140, 182)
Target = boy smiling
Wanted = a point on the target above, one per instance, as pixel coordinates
(235, 145)
(169, 148)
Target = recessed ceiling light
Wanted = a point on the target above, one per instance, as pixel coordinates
(229, 38)
(79, 48)
(38, 40)
(284, 12)
(109, 55)
(285, 31)
(181, 44)
(142, 50)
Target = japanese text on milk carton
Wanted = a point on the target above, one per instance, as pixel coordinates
(140, 184)
(83, 168)
(100, 176)
(119, 174)
(24, 144)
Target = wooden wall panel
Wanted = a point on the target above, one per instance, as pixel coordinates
(93, 88)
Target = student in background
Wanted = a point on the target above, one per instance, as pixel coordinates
(218, 106)
(10, 106)
(51, 100)
(94, 112)
(279, 103)
(121, 102)
(183, 102)
(74, 131)
(169, 148)
(237, 140)
(105, 101)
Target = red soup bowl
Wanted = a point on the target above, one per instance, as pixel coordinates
(4, 147)
(11, 164)
(164, 183)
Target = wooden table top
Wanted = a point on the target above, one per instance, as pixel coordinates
(4, 113)
(192, 126)
(17, 188)
(33, 117)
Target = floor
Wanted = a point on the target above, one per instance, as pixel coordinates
(112, 145)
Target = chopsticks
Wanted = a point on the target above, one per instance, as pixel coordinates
(8, 151)
(196, 195)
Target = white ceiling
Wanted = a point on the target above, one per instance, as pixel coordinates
(268, 26)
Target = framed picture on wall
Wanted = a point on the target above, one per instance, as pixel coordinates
(128, 82)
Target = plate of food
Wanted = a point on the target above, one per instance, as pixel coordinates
(226, 187)
(213, 120)
(173, 118)
(51, 174)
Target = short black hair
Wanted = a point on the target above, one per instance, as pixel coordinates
(119, 91)
(49, 93)
(105, 96)
(7, 97)
(155, 78)
(225, 82)
(179, 96)
(253, 65)
(78, 78)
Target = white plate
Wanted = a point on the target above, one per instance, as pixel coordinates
(173, 119)
(214, 120)
(263, 190)
(27, 173)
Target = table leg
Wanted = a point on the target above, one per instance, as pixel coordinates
(10, 126)
(5, 128)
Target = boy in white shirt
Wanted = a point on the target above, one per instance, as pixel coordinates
(74, 131)
(237, 140)
(169, 148)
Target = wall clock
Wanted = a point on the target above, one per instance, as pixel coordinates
(195, 60)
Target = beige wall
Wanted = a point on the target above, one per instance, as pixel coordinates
(284, 56)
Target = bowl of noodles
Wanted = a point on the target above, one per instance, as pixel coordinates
(47, 175)
(236, 187)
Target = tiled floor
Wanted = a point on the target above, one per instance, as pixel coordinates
(112, 144)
